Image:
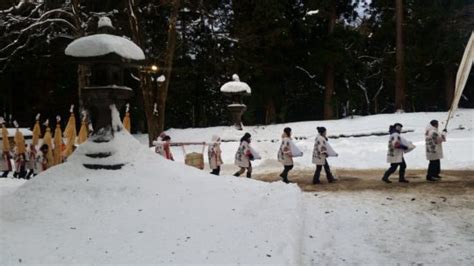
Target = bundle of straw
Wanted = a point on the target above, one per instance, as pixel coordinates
(48, 140)
(84, 131)
(126, 120)
(70, 133)
(36, 131)
(58, 141)
(6, 143)
(19, 140)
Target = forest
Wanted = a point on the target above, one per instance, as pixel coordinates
(303, 59)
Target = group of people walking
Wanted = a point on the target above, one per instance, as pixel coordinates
(321, 151)
(25, 165)
(397, 147)
(24, 160)
(30, 161)
(245, 154)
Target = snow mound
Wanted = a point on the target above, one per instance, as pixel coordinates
(152, 211)
(103, 44)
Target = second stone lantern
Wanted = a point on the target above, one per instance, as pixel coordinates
(236, 89)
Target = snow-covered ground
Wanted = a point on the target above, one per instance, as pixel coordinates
(387, 228)
(152, 211)
(155, 211)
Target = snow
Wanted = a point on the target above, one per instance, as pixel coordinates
(236, 86)
(237, 105)
(104, 22)
(382, 228)
(152, 211)
(113, 86)
(103, 44)
(312, 12)
(11, 132)
(354, 152)
(156, 211)
(161, 78)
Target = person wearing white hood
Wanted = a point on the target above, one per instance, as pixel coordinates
(5, 155)
(434, 150)
(214, 153)
(284, 154)
(397, 146)
(320, 155)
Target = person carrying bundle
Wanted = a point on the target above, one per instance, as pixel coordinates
(41, 159)
(5, 163)
(19, 153)
(5, 158)
(244, 156)
(434, 150)
(30, 160)
(321, 151)
(214, 153)
(287, 151)
(163, 147)
(397, 146)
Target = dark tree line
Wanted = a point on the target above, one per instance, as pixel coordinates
(304, 59)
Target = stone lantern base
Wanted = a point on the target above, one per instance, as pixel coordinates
(236, 111)
(100, 101)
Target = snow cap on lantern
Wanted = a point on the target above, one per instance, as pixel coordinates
(104, 43)
(236, 86)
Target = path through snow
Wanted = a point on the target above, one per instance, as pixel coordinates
(383, 228)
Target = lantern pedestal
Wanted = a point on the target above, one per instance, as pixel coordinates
(236, 111)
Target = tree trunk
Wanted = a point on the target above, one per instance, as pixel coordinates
(328, 91)
(270, 112)
(170, 49)
(82, 70)
(82, 81)
(329, 69)
(147, 87)
(400, 98)
(450, 86)
(148, 90)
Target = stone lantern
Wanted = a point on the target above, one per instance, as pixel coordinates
(107, 56)
(236, 90)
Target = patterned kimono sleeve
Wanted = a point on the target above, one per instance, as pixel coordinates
(322, 147)
(438, 138)
(286, 147)
(396, 142)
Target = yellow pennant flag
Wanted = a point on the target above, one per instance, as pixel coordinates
(6, 143)
(48, 140)
(84, 131)
(58, 142)
(36, 131)
(126, 120)
(19, 142)
(70, 133)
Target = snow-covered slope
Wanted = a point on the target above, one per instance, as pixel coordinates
(354, 152)
(155, 211)
(152, 211)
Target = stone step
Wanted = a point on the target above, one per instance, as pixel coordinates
(99, 155)
(104, 166)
